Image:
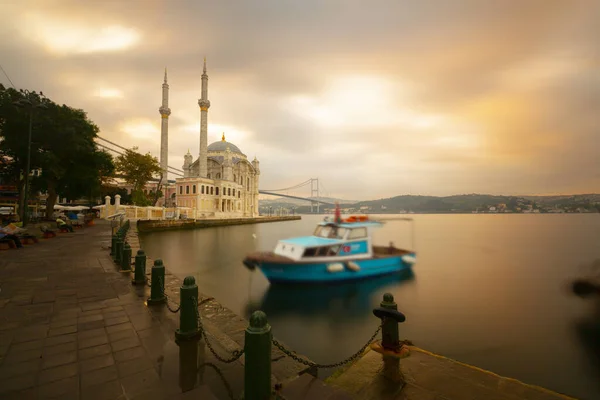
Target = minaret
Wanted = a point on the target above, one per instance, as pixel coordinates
(164, 111)
(204, 104)
(187, 163)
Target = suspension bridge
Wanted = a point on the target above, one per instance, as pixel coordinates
(291, 192)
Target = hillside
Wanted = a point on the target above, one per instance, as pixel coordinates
(466, 203)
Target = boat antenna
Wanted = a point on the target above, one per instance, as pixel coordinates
(338, 214)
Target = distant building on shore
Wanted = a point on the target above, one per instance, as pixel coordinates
(221, 182)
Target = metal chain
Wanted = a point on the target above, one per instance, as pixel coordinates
(225, 383)
(162, 287)
(235, 354)
(353, 357)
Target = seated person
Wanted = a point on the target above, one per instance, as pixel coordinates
(63, 225)
(9, 236)
(12, 229)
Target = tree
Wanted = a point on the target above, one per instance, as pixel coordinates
(62, 147)
(137, 170)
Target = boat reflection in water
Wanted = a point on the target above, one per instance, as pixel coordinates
(354, 299)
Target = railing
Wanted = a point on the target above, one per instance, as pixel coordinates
(259, 339)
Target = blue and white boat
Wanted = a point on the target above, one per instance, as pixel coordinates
(337, 251)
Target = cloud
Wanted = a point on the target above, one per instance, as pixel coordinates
(397, 97)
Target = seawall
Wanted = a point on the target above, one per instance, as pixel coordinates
(144, 226)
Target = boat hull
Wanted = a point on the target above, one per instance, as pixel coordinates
(333, 271)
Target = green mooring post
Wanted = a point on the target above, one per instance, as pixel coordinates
(389, 330)
(257, 350)
(188, 311)
(126, 258)
(118, 250)
(113, 241)
(390, 348)
(157, 290)
(139, 276)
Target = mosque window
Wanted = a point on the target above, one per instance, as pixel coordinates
(217, 191)
(187, 189)
(208, 176)
(239, 194)
(211, 190)
(234, 177)
(233, 192)
(202, 189)
(194, 189)
(218, 175)
(180, 189)
(228, 191)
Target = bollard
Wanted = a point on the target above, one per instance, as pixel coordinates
(139, 276)
(126, 258)
(188, 311)
(389, 330)
(112, 244)
(157, 290)
(118, 250)
(188, 364)
(390, 347)
(257, 350)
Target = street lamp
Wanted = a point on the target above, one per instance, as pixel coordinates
(30, 101)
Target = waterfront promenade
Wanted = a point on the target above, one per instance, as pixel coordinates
(73, 327)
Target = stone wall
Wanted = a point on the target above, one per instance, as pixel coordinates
(166, 225)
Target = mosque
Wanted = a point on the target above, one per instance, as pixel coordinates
(221, 182)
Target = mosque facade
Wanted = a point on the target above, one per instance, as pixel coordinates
(221, 182)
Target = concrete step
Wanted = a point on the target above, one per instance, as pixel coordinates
(307, 387)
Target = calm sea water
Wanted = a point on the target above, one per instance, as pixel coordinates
(488, 290)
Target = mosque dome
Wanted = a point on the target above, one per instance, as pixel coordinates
(222, 145)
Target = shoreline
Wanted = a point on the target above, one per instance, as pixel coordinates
(146, 226)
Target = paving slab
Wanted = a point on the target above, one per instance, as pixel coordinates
(431, 376)
(72, 326)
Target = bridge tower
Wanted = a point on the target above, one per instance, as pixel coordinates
(314, 192)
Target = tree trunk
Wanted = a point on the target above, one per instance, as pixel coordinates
(51, 200)
(21, 188)
(156, 196)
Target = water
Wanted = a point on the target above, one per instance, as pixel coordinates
(488, 290)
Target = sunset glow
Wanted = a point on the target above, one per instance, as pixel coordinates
(469, 98)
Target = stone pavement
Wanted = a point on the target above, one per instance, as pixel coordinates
(432, 377)
(73, 327)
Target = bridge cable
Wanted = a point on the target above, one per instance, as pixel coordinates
(288, 188)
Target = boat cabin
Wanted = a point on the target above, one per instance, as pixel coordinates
(349, 239)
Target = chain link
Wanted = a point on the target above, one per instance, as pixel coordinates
(353, 357)
(225, 383)
(236, 354)
(162, 288)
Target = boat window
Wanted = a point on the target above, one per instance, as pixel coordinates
(333, 250)
(310, 252)
(330, 232)
(323, 251)
(357, 233)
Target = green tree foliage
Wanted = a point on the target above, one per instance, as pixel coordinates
(137, 170)
(62, 147)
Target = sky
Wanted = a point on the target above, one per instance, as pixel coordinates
(376, 99)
